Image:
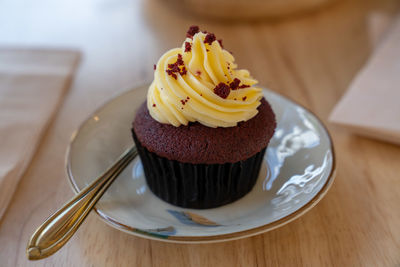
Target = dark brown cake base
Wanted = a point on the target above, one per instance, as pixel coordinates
(196, 166)
(199, 144)
(199, 186)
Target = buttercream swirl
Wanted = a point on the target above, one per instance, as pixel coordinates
(188, 95)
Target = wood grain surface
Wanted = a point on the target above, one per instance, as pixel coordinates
(310, 58)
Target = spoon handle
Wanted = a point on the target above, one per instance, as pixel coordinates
(62, 225)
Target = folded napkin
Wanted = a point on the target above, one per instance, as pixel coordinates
(32, 84)
(371, 106)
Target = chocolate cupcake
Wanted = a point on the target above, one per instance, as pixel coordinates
(203, 131)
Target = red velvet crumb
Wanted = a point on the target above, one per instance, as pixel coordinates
(154, 67)
(243, 86)
(198, 73)
(183, 71)
(188, 47)
(170, 72)
(192, 31)
(244, 98)
(175, 67)
(234, 84)
(154, 105)
(179, 61)
(222, 90)
(210, 37)
(184, 101)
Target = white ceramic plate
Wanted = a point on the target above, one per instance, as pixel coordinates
(297, 172)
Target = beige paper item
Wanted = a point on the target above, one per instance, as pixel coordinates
(32, 84)
(371, 106)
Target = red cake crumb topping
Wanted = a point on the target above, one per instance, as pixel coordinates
(174, 68)
(184, 101)
(170, 72)
(179, 61)
(234, 84)
(198, 73)
(243, 86)
(222, 90)
(188, 47)
(244, 98)
(154, 105)
(183, 71)
(210, 37)
(192, 31)
(154, 67)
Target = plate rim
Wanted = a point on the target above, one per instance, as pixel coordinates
(202, 239)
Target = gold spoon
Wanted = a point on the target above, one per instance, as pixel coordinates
(62, 225)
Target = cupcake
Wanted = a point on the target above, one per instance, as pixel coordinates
(204, 128)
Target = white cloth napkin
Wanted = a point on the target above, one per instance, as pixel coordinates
(371, 106)
(32, 85)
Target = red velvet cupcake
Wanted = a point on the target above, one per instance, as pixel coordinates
(203, 131)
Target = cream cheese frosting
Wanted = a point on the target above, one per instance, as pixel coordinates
(200, 82)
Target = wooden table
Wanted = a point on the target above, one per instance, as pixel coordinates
(310, 58)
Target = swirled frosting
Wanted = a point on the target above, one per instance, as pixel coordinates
(200, 82)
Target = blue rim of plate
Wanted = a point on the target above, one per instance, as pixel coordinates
(213, 238)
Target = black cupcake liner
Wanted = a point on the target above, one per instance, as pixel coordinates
(198, 186)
